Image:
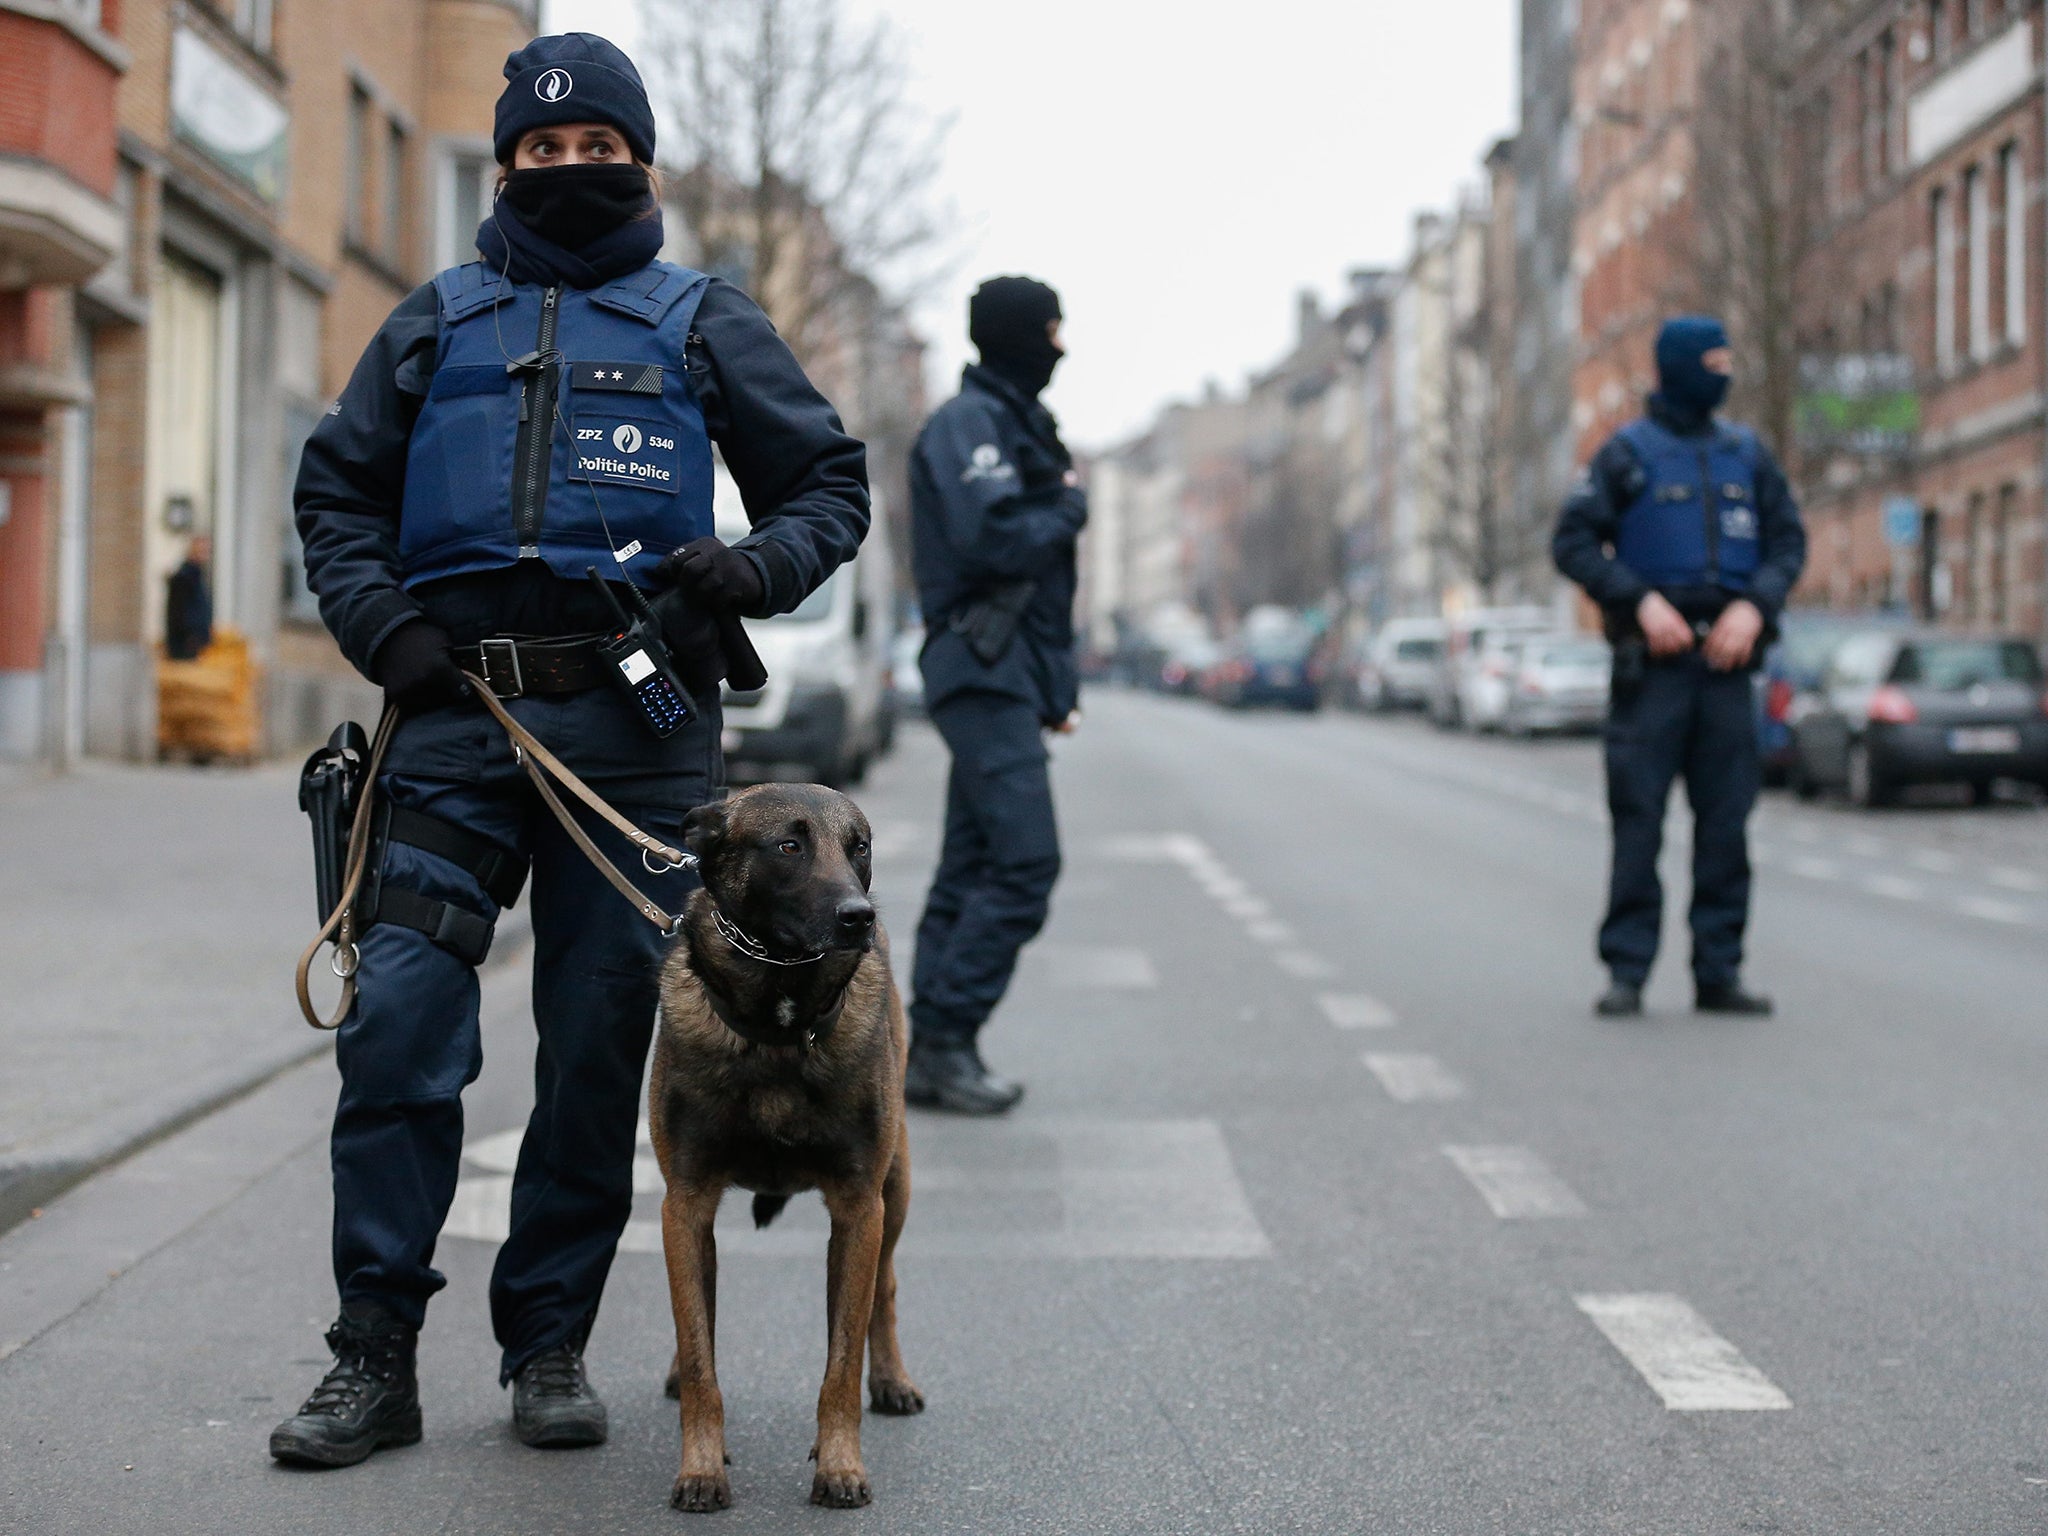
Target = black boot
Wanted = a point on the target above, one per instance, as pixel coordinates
(370, 1400)
(553, 1407)
(1728, 997)
(951, 1075)
(1621, 1000)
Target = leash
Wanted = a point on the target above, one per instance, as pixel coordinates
(341, 922)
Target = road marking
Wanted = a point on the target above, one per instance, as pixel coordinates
(1515, 1183)
(1933, 860)
(1270, 930)
(1244, 906)
(1308, 967)
(1102, 966)
(1896, 887)
(1691, 1367)
(1812, 868)
(1056, 1188)
(1864, 846)
(1354, 1010)
(1992, 908)
(2016, 879)
(1413, 1077)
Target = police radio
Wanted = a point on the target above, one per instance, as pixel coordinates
(638, 661)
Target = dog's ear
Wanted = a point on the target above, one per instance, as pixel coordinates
(704, 829)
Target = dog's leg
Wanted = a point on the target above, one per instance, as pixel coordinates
(841, 1481)
(686, 1241)
(890, 1389)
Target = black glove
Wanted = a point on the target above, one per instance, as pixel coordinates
(414, 668)
(714, 575)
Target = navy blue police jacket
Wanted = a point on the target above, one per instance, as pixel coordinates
(395, 529)
(990, 505)
(1684, 505)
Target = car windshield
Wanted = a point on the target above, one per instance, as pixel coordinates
(1581, 653)
(1950, 666)
(1418, 650)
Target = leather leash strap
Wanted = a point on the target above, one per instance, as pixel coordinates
(341, 922)
(534, 757)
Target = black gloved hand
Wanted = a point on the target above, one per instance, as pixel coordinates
(715, 575)
(414, 668)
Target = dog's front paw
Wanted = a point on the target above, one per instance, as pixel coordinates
(841, 1489)
(700, 1493)
(898, 1397)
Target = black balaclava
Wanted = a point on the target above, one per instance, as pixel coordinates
(1689, 388)
(1007, 320)
(572, 205)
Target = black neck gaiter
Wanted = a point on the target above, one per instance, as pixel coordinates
(577, 224)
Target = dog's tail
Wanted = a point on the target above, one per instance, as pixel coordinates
(767, 1208)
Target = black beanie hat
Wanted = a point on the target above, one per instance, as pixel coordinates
(573, 77)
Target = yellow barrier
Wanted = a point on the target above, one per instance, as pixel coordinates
(206, 707)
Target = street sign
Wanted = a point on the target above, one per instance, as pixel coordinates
(1901, 522)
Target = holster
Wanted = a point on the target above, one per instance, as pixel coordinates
(329, 786)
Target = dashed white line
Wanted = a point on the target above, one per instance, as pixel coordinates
(1515, 1183)
(1244, 906)
(1894, 887)
(1300, 963)
(1691, 1367)
(1270, 930)
(1992, 908)
(1354, 1010)
(1414, 1077)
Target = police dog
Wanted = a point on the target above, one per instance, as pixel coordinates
(778, 1066)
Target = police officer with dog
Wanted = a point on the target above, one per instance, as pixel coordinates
(996, 509)
(517, 423)
(1684, 531)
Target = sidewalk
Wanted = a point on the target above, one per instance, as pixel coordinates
(149, 922)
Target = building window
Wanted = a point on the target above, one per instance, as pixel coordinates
(466, 186)
(2013, 174)
(1937, 29)
(394, 194)
(1888, 156)
(357, 185)
(2001, 552)
(1944, 280)
(253, 20)
(1977, 206)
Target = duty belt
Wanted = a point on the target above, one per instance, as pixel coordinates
(515, 666)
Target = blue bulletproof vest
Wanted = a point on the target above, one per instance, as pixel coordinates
(1695, 522)
(627, 460)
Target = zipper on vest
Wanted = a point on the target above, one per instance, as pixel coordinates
(1710, 508)
(536, 433)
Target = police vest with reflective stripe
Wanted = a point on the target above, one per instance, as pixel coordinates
(1695, 521)
(627, 464)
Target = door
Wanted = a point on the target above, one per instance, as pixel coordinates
(182, 484)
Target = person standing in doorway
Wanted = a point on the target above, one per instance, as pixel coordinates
(1685, 533)
(188, 602)
(996, 510)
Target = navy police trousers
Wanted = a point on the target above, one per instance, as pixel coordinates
(411, 1043)
(1681, 717)
(996, 871)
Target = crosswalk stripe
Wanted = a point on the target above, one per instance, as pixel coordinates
(1270, 930)
(1413, 1077)
(1691, 1367)
(1300, 963)
(1354, 1010)
(1515, 1183)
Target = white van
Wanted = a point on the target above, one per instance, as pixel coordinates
(826, 712)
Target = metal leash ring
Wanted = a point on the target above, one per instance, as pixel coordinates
(656, 864)
(345, 961)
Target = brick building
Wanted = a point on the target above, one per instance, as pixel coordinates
(1922, 312)
(205, 211)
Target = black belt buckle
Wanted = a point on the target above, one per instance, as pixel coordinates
(501, 667)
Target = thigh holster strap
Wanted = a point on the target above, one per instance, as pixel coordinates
(462, 933)
(499, 870)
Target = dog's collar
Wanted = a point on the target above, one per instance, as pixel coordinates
(807, 1036)
(752, 947)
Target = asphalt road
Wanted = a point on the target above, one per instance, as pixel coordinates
(1331, 1207)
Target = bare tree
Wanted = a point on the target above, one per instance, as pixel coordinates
(804, 172)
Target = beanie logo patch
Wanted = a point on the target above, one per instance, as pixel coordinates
(554, 85)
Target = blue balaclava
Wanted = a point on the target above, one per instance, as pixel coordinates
(1682, 378)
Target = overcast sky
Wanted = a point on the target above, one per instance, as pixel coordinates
(1179, 179)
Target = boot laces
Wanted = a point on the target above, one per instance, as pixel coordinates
(361, 1364)
(557, 1372)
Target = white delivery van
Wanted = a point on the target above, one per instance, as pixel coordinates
(826, 712)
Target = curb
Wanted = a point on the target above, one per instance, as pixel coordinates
(36, 1175)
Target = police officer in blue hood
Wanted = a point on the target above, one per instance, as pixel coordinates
(1685, 533)
(515, 422)
(996, 509)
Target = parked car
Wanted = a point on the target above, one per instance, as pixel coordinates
(1394, 667)
(1186, 661)
(906, 678)
(827, 711)
(1471, 676)
(1268, 663)
(1902, 708)
(1558, 683)
(1793, 664)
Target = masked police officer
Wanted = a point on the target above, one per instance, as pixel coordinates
(995, 511)
(516, 421)
(1684, 531)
